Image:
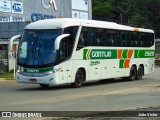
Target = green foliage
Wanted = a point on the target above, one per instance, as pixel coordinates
(103, 10)
(138, 19)
(138, 13)
(6, 75)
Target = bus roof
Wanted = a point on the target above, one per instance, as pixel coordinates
(66, 22)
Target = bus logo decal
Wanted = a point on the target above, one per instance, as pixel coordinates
(88, 54)
(96, 54)
(125, 57)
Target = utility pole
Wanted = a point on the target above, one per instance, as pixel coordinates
(124, 11)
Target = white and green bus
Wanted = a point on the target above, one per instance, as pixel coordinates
(65, 50)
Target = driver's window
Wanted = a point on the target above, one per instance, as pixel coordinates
(63, 51)
(83, 39)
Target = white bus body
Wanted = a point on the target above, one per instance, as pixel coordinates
(60, 51)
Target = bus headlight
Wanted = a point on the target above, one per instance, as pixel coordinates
(50, 72)
(18, 71)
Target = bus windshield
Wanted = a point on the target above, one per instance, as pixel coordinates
(36, 48)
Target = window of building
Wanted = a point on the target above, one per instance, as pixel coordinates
(3, 47)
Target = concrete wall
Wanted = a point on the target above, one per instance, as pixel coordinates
(35, 6)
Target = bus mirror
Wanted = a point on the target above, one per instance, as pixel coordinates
(12, 39)
(58, 40)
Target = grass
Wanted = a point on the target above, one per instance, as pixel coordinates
(7, 75)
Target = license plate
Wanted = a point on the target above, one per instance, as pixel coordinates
(33, 80)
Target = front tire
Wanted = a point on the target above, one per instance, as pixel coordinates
(79, 79)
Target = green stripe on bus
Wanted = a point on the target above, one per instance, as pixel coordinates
(125, 54)
(96, 54)
(136, 54)
(121, 64)
(144, 54)
(37, 70)
(85, 54)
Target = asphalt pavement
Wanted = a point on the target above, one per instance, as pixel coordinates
(108, 95)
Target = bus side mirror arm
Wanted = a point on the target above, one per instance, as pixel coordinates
(12, 39)
(58, 40)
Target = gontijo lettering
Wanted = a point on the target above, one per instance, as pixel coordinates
(98, 54)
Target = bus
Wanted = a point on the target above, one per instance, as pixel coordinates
(66, 50)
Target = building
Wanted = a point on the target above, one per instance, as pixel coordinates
(16, 14)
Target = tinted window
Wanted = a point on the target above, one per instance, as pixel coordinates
(111, 38)
(99, 37)
(122, 39)
(67, 44)
(115, 38)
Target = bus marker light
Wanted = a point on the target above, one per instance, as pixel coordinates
(136, 29)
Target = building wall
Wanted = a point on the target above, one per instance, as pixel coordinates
(35, 6)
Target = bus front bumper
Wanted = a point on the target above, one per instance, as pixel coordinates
(49, 79)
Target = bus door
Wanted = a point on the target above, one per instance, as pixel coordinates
(65, 64)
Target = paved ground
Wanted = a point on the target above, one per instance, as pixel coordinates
(108, 95)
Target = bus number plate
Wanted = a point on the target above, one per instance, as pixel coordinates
(33, 80)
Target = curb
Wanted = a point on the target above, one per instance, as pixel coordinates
(7, 80)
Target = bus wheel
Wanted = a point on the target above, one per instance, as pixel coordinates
(44, 85)
(139, 73)
(133, 74)
(79, 79)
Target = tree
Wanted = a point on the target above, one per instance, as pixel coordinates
(103, 10)
(136, 12)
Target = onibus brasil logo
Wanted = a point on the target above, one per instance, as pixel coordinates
(51, 2)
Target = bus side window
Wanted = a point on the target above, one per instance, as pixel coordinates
(91, 37)
(134, 39)
(71, 39)
(143, 39)
(128, 42)
(82, 39)
(150, 40)
(64, 49)
(99, 37)
(123, 39)
(111, 38)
